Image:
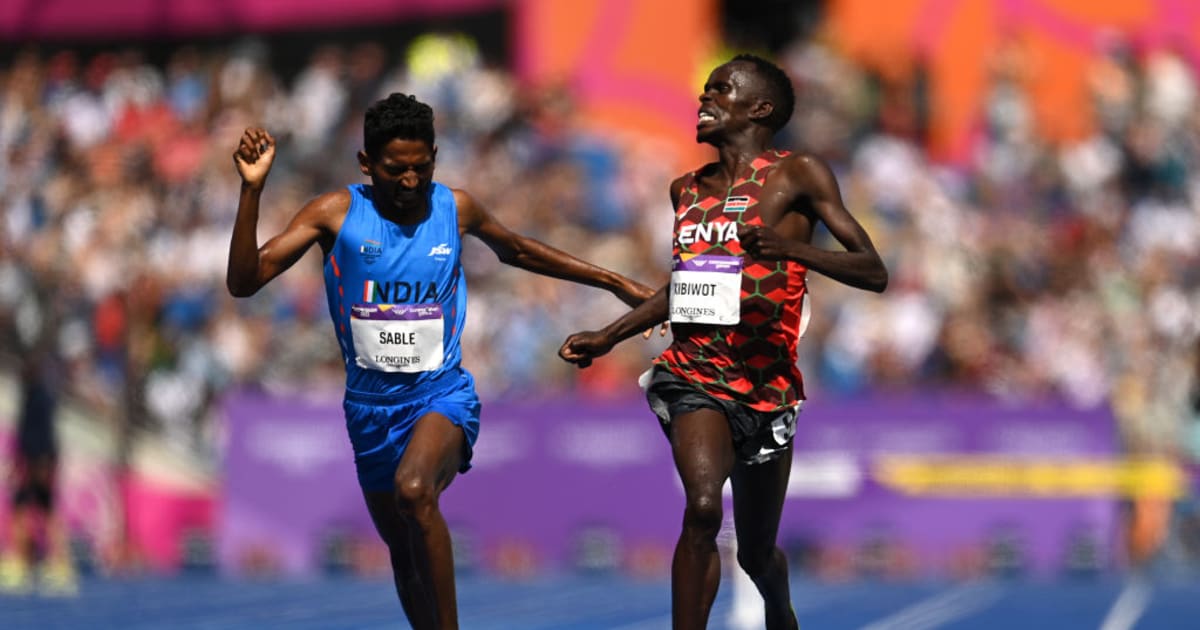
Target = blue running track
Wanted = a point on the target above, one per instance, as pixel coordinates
(608, 603)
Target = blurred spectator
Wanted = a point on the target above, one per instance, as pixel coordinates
(1035, 270)
(37, 551)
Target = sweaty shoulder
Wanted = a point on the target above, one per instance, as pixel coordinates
(469, 213)
(803, 170)
(329, 208)
(326, 212)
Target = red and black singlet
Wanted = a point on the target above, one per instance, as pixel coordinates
(754, 361)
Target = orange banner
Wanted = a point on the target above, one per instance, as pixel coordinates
(631, 65)
(959, 40)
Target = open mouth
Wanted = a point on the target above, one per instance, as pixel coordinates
(705, 118)
(406, 197)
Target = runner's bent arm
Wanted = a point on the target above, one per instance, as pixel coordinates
(804, 179)
(533, 255)
(580, 348)
(250, 266)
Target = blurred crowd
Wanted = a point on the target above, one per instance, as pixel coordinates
(1031, 270)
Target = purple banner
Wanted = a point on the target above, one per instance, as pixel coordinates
(551, 475)
(843, 496)
(289, 482)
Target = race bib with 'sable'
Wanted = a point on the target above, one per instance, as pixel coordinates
(397, 337)
(706, 290)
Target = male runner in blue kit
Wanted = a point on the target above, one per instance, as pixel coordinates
(397, 296)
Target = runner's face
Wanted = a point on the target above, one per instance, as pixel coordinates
(725, 103)
(402, 174)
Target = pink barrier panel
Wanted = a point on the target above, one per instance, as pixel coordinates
(34, 19)
(89, 499)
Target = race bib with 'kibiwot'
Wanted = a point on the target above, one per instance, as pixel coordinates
(706, 290)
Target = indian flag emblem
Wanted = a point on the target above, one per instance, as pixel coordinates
(368, 290)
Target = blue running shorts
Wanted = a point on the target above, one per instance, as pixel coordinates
(381, 425)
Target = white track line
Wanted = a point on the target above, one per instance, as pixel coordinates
(1128, 607)
(942, 608)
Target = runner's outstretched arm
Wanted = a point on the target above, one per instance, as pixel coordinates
(533, 255)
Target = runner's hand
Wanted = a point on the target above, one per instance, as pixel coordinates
(661, 333)
(254, 156)
(763, 242)
(581, 348)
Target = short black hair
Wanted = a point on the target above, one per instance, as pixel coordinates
(779, 89)
(397, 116)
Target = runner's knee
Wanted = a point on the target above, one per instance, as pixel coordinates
(704, 513)
(415, 495)
(753, 561)
(760, 560)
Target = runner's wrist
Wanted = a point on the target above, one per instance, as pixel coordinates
(614, 334)
(620, 331)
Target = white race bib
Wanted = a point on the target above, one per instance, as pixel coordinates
(397, 337)
(706, 290)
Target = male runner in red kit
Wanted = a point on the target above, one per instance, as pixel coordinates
(727, 390)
